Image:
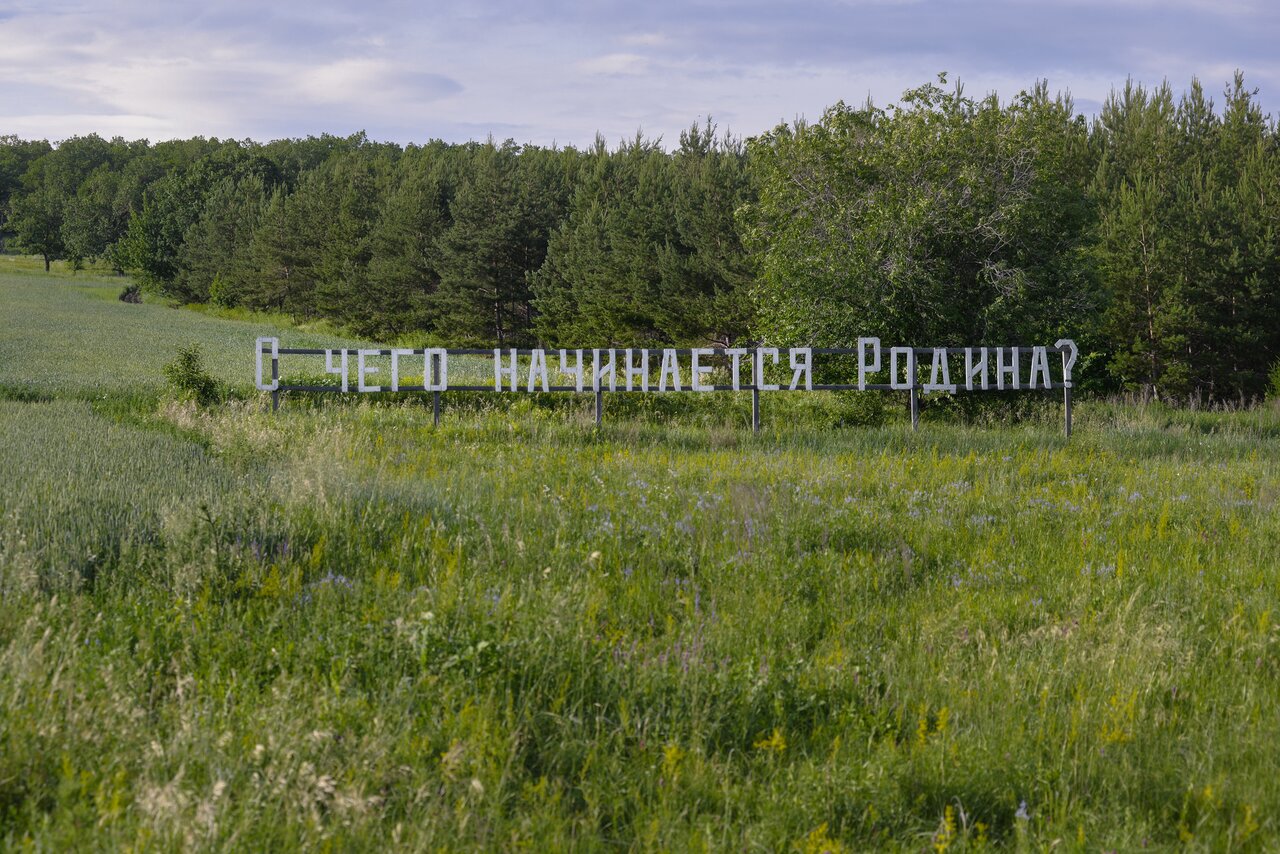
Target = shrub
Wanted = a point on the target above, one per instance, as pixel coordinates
(188, 377)
(131, 293)
(222, 292)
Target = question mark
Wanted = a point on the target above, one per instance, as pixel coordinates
(1067, 363)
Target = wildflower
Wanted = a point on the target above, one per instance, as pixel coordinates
(672, 754)
(947, 832)
(1022, 814)
(775, 743)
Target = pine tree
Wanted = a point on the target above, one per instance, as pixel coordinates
(404, 264)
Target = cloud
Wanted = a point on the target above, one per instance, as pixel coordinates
(645, 40)
(615, 64)
(554, 70)
(356, 81)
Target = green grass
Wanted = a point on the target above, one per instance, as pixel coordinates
(65, 336)
(339, 625)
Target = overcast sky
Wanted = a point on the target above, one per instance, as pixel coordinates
(545, 71)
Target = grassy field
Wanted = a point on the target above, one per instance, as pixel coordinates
(339, 625)
(71, 336)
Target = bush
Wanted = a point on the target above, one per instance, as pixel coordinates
(188, 377)
(222, 292)
(1273, 385)
(131, 293)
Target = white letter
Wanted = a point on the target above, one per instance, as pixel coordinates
(498, 370)
(275, 354)
(340, 369)
(362, 371)
(598, 371)
(1040, 362)
(760, 383)
(894, 381)
(441, 357)
(1003, 370)
(642, 371)
(803, 367)
(671, 367)
(865, 367)
(576, 373)
(538, 367)
(971, 370)
(698, 370)
(940, 366)
(1065, 344)
(736, 354)
(395, 367)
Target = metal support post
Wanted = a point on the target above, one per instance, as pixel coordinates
(755, 410)
(1066, 410)
(599, 407)
(915, 409)
(435, 396)
(275, 376)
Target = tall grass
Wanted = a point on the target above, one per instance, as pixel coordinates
(338, 625)
(73, 336)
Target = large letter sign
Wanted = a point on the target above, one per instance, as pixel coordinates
(917, 370)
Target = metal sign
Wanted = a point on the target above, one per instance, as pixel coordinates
(949, 370)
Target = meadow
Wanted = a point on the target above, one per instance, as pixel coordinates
(338, 625)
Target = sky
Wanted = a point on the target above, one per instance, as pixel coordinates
(549, 72)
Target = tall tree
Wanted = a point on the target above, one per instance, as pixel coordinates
(496, 240)
(16, 156)
(942, 219)
(649, 252)
(1186, 241)
(215, 248)
(404, 266)
(36, 220)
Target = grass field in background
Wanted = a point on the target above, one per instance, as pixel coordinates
(71, 335)
(341, 625)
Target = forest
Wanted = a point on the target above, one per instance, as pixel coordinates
(1148, 233)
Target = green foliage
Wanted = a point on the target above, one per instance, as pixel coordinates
(1148, 235)
(501, 218)
(132, 293)
(1186, 242)
(36, 220)
(649, 253)
(337, 626)
(712, 638)
(16, 156)
(154, 245)
(404, 267)
(215, 248)
(76, 337)
(187, 376)
(941, 219)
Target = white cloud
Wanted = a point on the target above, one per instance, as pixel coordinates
(615, 64)
(538, 72)
(646, 40)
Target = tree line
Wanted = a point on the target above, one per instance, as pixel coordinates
(1147, 233)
